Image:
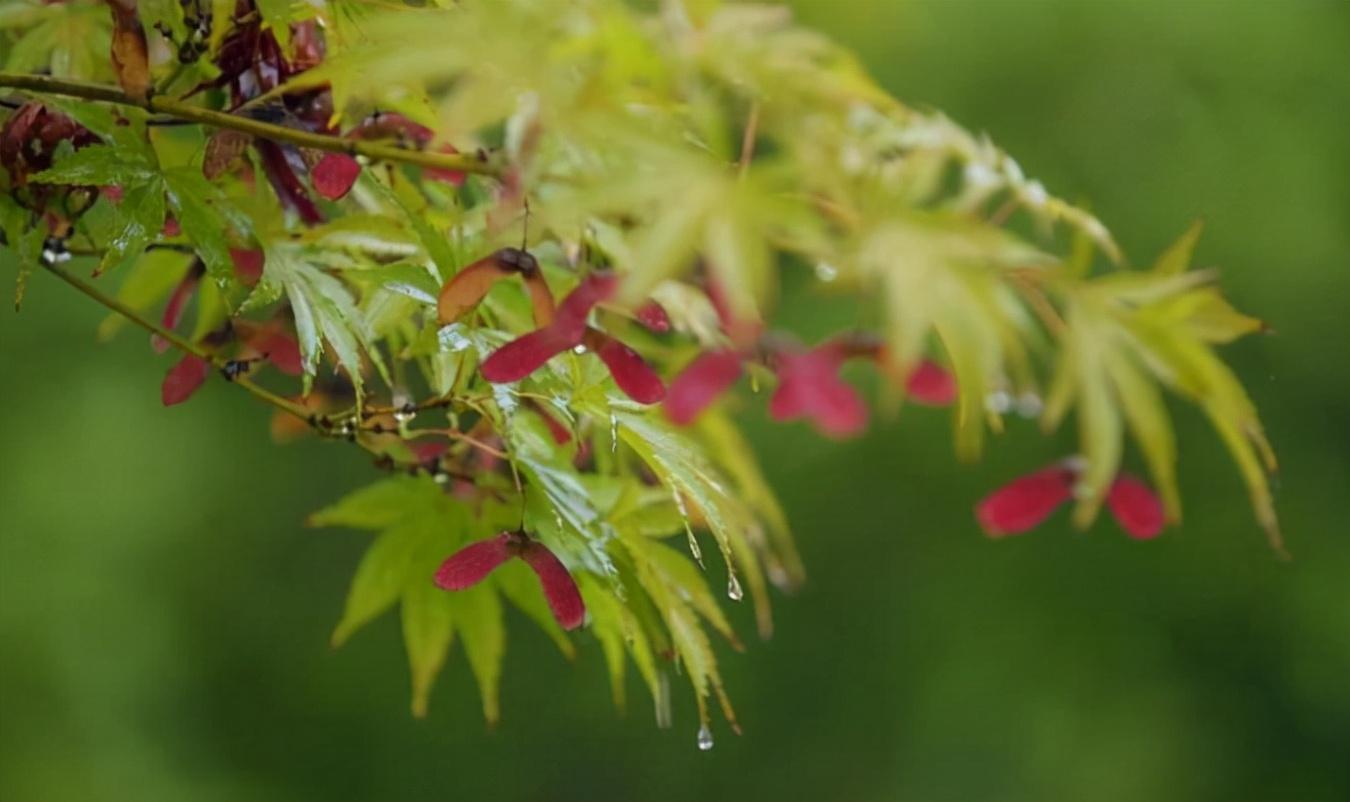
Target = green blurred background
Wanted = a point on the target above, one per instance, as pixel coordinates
(164, 616)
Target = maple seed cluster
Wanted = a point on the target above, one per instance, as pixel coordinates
(559, 328)
(472, 564)
(1024, 503)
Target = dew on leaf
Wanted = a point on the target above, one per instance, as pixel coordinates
(453, 338)
(1029, 405)
(1035, 194)
(694, 549)
(734, 590)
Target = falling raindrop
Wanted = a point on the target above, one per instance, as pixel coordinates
(705, 738)
(734, 591)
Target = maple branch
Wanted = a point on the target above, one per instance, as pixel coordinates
(177, 341)
(324, 424)
(482, 164)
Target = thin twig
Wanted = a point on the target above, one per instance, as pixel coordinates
(179, 247)
(45, 84)
(1041, 305)
(177, 341)
(455, 434)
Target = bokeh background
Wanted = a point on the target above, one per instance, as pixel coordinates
(164, 615)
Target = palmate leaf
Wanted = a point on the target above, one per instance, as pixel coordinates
(23, 239)
(418, 526)
(1128, 332)
(428, 621)
(944, 276)
(660, 564)
(731, 452)
(482, 631)
(618, 629)
(98, 165)
(68, 40)
(140, 217)
(324, 309)
(206, 217)
(696, 153)
(700, 489)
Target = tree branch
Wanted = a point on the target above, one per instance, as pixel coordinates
(45, 84)
(177, 341)
(350, 429)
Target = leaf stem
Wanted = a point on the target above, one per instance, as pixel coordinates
(177, 341)
(481, 163)
(748, 138)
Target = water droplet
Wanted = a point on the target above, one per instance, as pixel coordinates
(579, 349)
(613, 434)
(826, 271)
(980, 175)
(1029, 405)
(1035, 194)
(998, 402)
(689, 531)
(453, 338)
(734, 590)
(705, 738)
(557, 519)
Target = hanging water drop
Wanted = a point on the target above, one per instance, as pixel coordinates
(404, 408)
(1029, 405)
(694, 549)
(705, 738)
(998, 402)
(734, 591)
